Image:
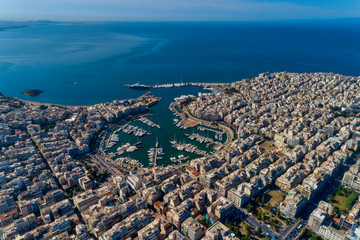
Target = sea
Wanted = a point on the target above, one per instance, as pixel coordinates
(84, 63)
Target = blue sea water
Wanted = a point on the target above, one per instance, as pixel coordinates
(101, 57)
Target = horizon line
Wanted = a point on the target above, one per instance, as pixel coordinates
(179, 21)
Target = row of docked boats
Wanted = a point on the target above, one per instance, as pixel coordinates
(114, 138)
(148, 122)
(128, 148)
(130, 129)
(179, 158)
(187, 147)
(181, 125)
(152, 155)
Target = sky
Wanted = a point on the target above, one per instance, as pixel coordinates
(177, 10)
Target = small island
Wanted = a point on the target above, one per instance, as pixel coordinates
(33, 92)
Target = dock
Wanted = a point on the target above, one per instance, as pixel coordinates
(202, 128)
(156, 153)
(201, 139)
(181, 84)
(187, 147)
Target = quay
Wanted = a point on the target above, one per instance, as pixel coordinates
(182, 84)
(187, 147)
(202, 128)
(156, 153)
(201, 139)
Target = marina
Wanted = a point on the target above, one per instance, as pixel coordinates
(165, 113)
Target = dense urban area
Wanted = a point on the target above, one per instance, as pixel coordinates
(289, 169)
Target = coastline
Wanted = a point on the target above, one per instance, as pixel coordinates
(37, 103)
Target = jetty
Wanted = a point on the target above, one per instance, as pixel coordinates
(218, 134)
(148, 122)
(202, 139)
(156, 153)
(207, 86)
(136, 131)
(187, 147)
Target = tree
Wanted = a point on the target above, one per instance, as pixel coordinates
(227, 223)
(277, 212)
(258, 213)
(350, 201)
(314, 237)
(263, 217)
(263, 199)
(268, 206)
(65, 115)
(303, 233)
(250, 208)
(341, 190)
(258, 231)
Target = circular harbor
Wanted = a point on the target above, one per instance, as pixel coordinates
(162, 137)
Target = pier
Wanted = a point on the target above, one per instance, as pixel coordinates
(187, 147)
(156, 153)
(148, 122)
(201, 139)
(202, 128)
(181, 84)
